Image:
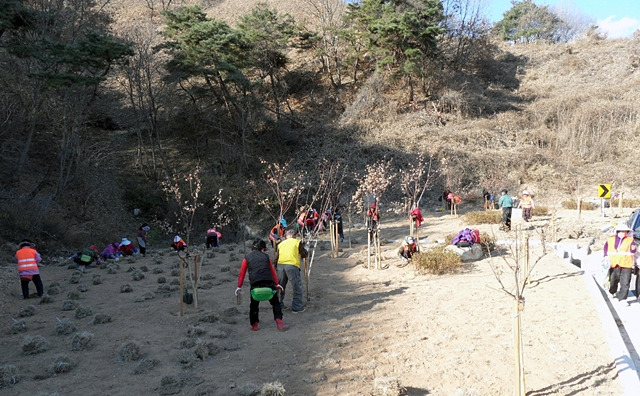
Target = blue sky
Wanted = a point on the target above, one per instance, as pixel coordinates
(616, 18)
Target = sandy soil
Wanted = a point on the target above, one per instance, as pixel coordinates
(434, 335)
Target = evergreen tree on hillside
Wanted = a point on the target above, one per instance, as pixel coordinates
(527, 22)
(268, 35)
(402, 35)
(57, 55)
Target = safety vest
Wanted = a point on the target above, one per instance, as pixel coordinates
(301, 218)
(276, 232)
(525, 202)
(621, 257)
(27, 259)
(288, 252)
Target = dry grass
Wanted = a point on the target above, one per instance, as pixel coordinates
(33, 345)
(8, 375)
(437, 261)
(81, 341)
(483, 217)
(573, 205)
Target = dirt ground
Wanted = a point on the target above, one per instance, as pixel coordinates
(432, 335)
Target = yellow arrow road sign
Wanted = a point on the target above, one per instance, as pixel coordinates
(604, 191)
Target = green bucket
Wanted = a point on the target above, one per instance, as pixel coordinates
(262, 293)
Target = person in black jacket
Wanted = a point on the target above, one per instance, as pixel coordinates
(262, 275)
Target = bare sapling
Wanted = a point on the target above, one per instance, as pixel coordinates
(371, 185)
(514, 281)
(325, 193)
(284, 188)
(414, 182)
(185, 191)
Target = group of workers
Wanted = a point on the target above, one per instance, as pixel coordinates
(309, 221)
(28, 258)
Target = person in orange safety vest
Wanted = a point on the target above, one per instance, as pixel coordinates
(620, 249)
(526, 203)
(28, 259)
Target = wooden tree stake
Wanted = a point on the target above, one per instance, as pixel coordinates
(517, 346)
(181, 287)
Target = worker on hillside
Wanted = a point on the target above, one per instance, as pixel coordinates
(620, 249)
(264, 284)
(85, 257)
(142, 238)
(287, 260)
(372, 217)
(407, 249)
(28, 259)
(126, 247)
(111, 252)
(301, 220)
(178, 244)
(213, 237)
(337, 218)
(526, 203)
(486, 196)
(506, 203)
(416, 216)
(277, 232)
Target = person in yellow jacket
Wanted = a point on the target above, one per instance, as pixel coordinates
(620, 249)
(526, 203)
(287, 260)
(28, 259)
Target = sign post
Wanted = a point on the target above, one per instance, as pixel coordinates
(604, 192)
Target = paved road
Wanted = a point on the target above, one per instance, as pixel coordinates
(621, 322)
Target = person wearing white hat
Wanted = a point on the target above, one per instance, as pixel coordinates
(178, 244)
(127, 248)
(526, 203)
(620, 249)
(407, 249)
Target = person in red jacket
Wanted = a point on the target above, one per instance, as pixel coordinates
(28, 259)
(262, 274)
(213, 237)
(373, 216)
(127, 248)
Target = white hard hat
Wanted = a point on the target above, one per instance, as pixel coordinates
(525, 192)
(622, 227)
(176, 238)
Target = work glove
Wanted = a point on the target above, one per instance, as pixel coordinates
(278, 287)
(238, 289)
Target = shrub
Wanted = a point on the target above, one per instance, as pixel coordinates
(195, 331)
(272, 389)
(484, 217)
(540, 211)
(83, 312)
(628, 203)
(437, 261)
(34, 345)
(62, 364)
(81, 341)
(574, 205)
(8, 375)
(130, 352)
(101, 318)
(488, 242)
(18, 327)
(27, 311)
(144, 366)
(65, 327)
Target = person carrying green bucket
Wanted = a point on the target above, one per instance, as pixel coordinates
(264, 284)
